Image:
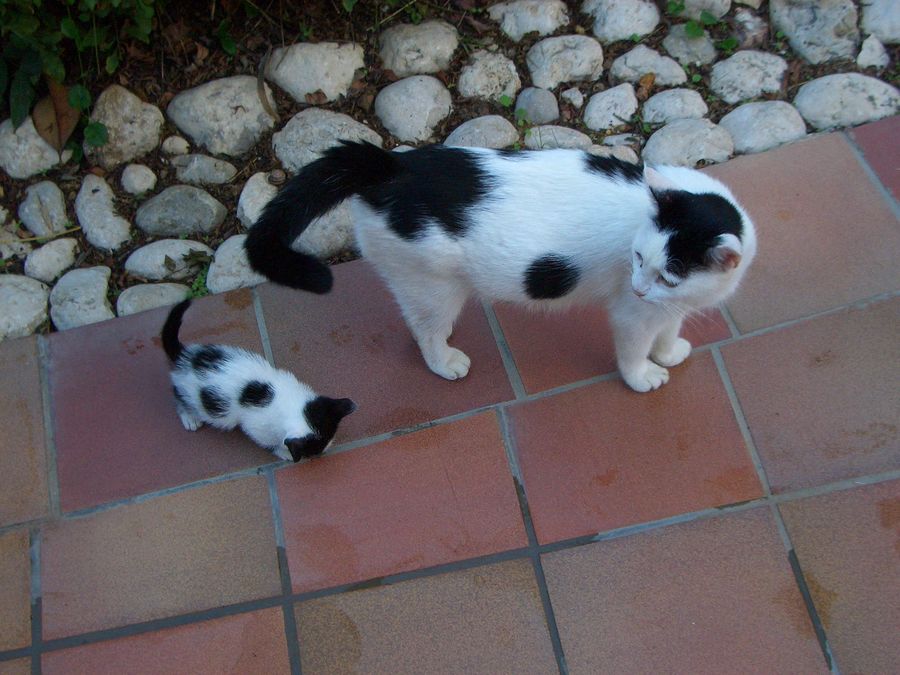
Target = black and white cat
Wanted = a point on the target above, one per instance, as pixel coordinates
(546, 229)
(226, 387)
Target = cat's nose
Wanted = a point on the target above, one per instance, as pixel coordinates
(640, 292)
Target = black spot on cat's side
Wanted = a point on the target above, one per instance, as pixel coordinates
(510, 153)
(437, 184)
(614, 168)
(695, 221)
(550, 276)
(208, 357)
(214, 402)
(256, 394)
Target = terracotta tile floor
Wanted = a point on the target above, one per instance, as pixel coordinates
(536, 516)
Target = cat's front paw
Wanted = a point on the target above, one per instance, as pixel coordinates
(452, 364)
(647, 377)
(678, 352)
(189, 422)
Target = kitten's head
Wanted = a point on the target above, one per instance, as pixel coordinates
(322, 416)
(697, 248)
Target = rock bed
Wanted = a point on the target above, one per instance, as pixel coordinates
(162, 208)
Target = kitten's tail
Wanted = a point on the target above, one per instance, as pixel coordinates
(341, 172)
(170, 340)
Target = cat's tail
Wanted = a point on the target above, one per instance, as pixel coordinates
(170, 340)
(341, 172)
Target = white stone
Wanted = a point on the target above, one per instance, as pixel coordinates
(134, 127)
(694, 8)
(881, 18)
(165, 260)
(846, 99)
(537, 106)
(632, 66)
(631, 140)
(314, 130)
(490, 131)
(566, 58)
(411, 108)
(141, 297)
(755, 127)
(621, 19)
(520, 17)
(687, 142)
(490, 76)
(230, 269)
(409, 49)
(818, 30)
(307, 67)
(102, 227)
(52, 259)
(23, 305)
(203, 170)
(43, 211)
(180, 210)
(697, 51)
(256, 194)
(750, 30)
(328, 235)
(873, 54)
(550, 136)
(23, 153)
(574, 96)
(611, 108)
(747, 74)
(755, 4)
(175, 145)
(622, 152)
(674, 104)
(138, 179)
(79, 298)
(225, 116)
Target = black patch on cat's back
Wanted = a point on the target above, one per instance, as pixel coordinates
(613, 168)
(550, 276)
(208, 357)
(437, 183)
(695, 221)
(214, 402)
(256, 394)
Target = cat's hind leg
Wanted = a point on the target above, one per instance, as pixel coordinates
(188, 416)
(668, 349)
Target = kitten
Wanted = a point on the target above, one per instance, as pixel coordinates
(226, 387)
(545, 229)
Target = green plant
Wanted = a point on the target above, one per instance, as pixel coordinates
(348, 5)
(675, 7)
(223, 35)
(522, 117)
(505, 100)
(198, 285)
(728, 45)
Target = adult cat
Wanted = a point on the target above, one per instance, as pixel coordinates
(545, 229)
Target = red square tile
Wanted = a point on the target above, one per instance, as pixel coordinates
(353, 342)
(16, 667)
(821, 397)
(116, 430)
(15, 590)
(711, 596)
(602, 456)
(483, 620)
(555, 348)
(243, 643)
(419, 500)
(848, 545)
(23, 464)
(880, 144)
(826, 235)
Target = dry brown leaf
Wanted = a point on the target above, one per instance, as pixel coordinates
(645, 86)
(318, 97)
(202, 52)
(66, 116)
(44, 117)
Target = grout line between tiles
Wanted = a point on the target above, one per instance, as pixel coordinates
(872, 176)
(261, 326)
(506, 355)
(49, 436)
(37, 617)
(729, 320)
(818, 627)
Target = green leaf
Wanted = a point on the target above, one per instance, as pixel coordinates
(96, 134)
(112, 63)
(708, 19)
(77, 150)
(69, 28)
(229, 46)
(695, 78)
(505, 100)
(635, 37)
(21, 95)
(89, 4)
(693, 29)
(23, 25)
(31, 65)
(729, 44)
(348, 5)
(79, 97)
(674, 7)
(53, 65)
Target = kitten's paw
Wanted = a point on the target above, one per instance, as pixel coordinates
(190, 423)
(453, 364)
(649, 376)
(679, 351)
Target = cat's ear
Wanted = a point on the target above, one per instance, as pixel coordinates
(726, 255)
(657, 181)
(338, 408)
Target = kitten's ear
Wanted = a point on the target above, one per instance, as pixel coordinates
(727, 254)
(657, 181)
(339, 407)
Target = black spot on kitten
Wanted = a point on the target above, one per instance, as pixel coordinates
(214, 402)
(550, 276)
(696, 221)
(256, 393)
(437, 184)
(208, 357)
(614, 168)
(323, 414)
(510, 153)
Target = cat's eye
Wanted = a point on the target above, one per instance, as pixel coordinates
(639, 258)
(665, 281)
